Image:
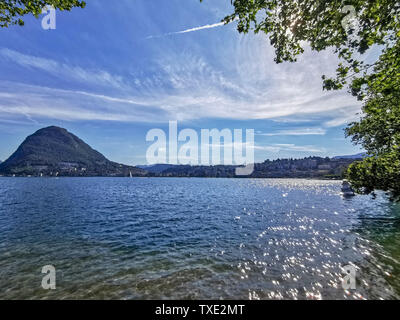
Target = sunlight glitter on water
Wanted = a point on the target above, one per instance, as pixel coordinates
(195, 239)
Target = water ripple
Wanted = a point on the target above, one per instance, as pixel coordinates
(195, 239)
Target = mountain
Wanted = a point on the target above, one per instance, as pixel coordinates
(354, 156)
(55, 151)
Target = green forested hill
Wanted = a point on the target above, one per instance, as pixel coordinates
(55, 151)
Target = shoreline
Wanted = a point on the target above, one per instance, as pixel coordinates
(176, 177)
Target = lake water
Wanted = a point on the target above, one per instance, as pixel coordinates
(150, 238)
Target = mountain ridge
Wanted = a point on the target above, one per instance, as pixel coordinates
(353, 156)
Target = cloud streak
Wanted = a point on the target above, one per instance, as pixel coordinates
(208, 26)
(275, 148)
(62, 70)
(295, 132)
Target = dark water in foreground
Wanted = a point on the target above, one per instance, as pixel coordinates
(194, 239)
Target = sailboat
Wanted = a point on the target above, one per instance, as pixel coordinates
(130, 174)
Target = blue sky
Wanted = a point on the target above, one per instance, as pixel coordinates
(116, 69)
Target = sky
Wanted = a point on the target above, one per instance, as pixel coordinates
(111, 72)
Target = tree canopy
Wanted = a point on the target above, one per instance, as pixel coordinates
(352, 28)
(378, 131)
(12, 11)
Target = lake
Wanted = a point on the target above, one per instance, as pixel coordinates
(171, 238)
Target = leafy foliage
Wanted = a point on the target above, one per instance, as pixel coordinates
(351, 28)
(12, 11)
(378, 131)
(323, 24)
(377, 172)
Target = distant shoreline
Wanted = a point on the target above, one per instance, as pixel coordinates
(55, 152)
(177, 177)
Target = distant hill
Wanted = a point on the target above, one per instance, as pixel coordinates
(55, 151)
(311, 167)
(157, 168)
(354, 156)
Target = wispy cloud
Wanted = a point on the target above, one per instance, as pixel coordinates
(271, 148)
(70, 105)
(275, 148)
(208, 26)
(188, 86)
(63, 70)
(295, 132)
